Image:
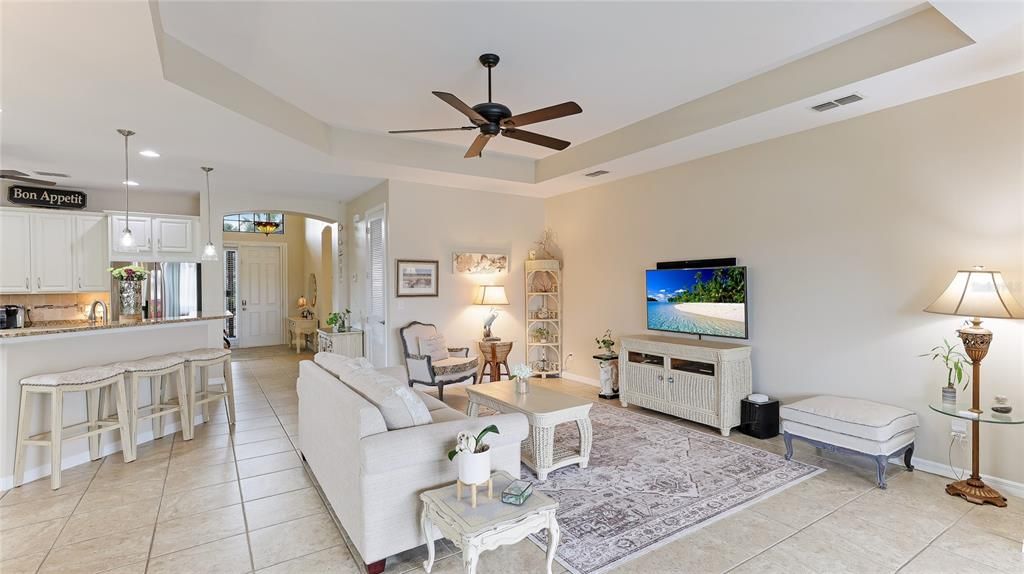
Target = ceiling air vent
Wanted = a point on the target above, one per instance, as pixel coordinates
(825, 106)
(597, 173)
(52, 174)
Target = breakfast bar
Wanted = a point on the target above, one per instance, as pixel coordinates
(60, 347)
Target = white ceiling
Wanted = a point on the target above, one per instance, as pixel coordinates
(372, 66)
(362, 68)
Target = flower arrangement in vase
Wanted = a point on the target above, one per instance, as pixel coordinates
(954, 362)
(129, 287)
(542, 335)
(521, 373)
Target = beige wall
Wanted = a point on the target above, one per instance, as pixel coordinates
(317, 261)
(430, 222)
(141, 201)
(848, 231)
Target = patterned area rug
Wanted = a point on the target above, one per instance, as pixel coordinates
(649, 482)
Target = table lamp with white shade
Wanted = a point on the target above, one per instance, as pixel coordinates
(976, 293)
(490, 295)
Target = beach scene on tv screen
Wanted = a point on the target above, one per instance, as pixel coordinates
(705, 301)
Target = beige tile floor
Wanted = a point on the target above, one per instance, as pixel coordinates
(242, 501)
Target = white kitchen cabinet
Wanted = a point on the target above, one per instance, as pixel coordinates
(91, 255)
(52, 251)
(141, 227)
(15, 255)
(173, 235)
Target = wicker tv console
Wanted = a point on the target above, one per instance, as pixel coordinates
(701, 381)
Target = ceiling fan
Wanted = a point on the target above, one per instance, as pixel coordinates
(23, 177)
(492, 118)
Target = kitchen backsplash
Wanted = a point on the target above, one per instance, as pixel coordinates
(56, 306)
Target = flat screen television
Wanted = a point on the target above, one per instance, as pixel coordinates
(708, 301)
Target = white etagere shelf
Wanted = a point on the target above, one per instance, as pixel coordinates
(544, 317)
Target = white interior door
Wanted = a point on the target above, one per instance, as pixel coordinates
(261, 302)
(376, 284)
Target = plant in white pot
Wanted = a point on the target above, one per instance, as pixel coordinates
(474, 456)
(954, 362)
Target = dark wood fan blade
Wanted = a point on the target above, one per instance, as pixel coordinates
(476, 150)
(536, 139)
(542, 115)
(16, 175)
(460, 105)
(432, 130)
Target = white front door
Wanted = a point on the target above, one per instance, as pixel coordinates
(261, 302)
(376, 284)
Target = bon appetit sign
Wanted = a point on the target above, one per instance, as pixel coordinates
(43, 197)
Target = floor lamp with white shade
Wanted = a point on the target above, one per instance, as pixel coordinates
(977, 293)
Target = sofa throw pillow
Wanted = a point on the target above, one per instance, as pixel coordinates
(434, 346)
(339, 365)
(398, 404)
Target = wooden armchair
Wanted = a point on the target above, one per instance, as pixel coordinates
(423, 369)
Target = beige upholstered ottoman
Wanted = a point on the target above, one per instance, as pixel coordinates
(857, 426)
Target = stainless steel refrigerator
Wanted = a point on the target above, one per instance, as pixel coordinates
(170, 289)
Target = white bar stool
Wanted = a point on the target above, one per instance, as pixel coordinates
(202, 360)
(89, 380)
(159, 370)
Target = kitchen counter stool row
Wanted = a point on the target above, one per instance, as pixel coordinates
(122, 381)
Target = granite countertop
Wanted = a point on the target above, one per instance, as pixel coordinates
(54, 327)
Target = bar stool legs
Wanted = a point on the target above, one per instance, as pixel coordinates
(198, 362)
(90, 381)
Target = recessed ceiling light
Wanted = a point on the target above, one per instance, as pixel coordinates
(130, 182)
(148, 153)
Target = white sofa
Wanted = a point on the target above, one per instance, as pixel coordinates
(372, 476)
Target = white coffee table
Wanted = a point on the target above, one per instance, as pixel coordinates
(544, 408)
(490, 525)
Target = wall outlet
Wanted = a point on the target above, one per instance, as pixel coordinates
(959, 426)
(569, 357)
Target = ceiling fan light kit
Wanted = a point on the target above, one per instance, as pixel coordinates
(492, 118)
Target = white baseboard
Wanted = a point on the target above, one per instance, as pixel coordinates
(942, 469)
(581, 379)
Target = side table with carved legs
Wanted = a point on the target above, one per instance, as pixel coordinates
(490, 525)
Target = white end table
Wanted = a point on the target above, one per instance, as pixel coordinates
(544, 409)
(299, 327)
(490, 525)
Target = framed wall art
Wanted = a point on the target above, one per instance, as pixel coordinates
(416, 278)
(472, 263)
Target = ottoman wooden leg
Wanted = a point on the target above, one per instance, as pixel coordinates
(881, 461)
(907, 456)
(789, 444)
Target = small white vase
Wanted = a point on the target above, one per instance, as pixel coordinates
(474, 468)
(522, 386)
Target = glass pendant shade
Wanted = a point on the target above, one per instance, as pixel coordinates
(209, 252)
(127, 239)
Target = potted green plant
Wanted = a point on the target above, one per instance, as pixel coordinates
(541, 334)
(605, 342)
(474, 456)
(338, 321)
(954, 361)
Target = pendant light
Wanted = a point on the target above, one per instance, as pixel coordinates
(266, 227)
(209, 252)
(127, 239)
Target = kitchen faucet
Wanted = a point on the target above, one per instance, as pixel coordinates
(92, 312)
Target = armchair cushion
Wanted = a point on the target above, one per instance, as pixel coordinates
(435, 346)
(454, 367)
